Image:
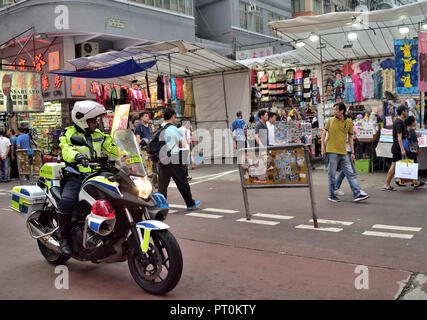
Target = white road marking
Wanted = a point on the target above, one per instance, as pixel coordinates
(202, 215)
(264, 222)
(388, 235)
(213, 178)
(213, 175)
(4, 194)
(172, 211)
(178, 206)
(273, 216)
(220, 210)
(382, 226)
(344, 223)
(308, 227)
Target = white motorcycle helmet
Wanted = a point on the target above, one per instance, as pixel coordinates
(85, 110)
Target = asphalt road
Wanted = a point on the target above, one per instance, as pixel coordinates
(369, 250)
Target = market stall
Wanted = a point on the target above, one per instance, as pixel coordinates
(370, 61)
(198, 83)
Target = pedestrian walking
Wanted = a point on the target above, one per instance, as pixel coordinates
(4, 156)
(143, 129)
(183, 127)
(270, 127)
(238, 131)
(250, 132)
(334, 139)
(413, 149)
(398, 151)
(172, 167)
(261, 130)
(13, 162)
(341, 175)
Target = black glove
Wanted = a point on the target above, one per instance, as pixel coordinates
(82, 159)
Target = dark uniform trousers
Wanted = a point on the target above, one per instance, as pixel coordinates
(70, 193)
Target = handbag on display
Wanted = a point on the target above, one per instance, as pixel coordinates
(264, 92)
(280, 85)
(264, 78)
(264, 86)
(273, 92)
(281, 77)
(271, 86)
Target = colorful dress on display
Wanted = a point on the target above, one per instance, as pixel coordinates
(179, 88)
(356, 68)
(173, 86)
(366, 66)
(349, 90)
(378, 85)
(347, 69)
(367, 84)
(358, 95)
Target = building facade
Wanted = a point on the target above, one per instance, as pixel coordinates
(242, 25)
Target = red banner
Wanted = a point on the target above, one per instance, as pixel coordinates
(422, 58)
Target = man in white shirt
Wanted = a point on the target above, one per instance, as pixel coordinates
(4, 156)
(184, 129)
(270, 126)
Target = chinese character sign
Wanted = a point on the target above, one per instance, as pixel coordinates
(406, 66)
(24, 88)
(422, 58)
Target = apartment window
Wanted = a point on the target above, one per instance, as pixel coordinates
(317, 6)
(181, 6)
(273, 17)
(298, 6)
(250, 19)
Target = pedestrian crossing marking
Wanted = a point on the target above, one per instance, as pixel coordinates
(255, 221)
(273, 216)
(310, 227)
(220, 210)
(344, 223)
(400, 228)
(202, 215)
(388, 234)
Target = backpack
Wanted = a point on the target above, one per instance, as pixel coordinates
(157, 142)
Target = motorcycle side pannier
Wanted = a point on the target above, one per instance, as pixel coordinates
(27, 199)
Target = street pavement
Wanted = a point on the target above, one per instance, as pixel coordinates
(276, 255)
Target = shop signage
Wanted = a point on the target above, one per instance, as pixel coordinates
(406, 66)
(24, 89)
(254, 53)
(422, 58)
(121, 116)
(115, 23)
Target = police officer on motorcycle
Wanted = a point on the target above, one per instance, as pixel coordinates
(77, 158)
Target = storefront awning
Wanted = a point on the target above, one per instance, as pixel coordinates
(375, 31)
(177, 58)
(118, 70)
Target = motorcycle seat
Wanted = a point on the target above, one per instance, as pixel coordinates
(56, 193)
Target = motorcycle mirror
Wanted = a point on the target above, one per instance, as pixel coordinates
(144, 142)
(78, 141)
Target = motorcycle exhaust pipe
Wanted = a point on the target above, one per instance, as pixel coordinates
(46, 238)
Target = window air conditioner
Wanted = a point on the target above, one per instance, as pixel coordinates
(88, 49)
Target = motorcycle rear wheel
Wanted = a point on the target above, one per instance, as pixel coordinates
(161, 268)
(55, 258)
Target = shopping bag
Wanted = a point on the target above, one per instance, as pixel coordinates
(406, 169)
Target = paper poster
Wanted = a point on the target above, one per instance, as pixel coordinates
(406, 66)
(422, 58)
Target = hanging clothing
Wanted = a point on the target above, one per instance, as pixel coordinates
(367, 84)
(160, 89)
(378, 85)
(376, 66)
(179, 88)
(387, 64)
(389, 83)
(347, 69)
(253, 77)
(356, 68)
(338, 89)
(148, 85)
(173, 85)
(358, 95)
(167, 82)
(349, 90)
(366, 66)
(188, 93)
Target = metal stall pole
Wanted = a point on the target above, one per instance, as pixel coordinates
(310, 187)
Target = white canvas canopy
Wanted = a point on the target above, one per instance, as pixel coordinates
(220, 85)
(375, 31)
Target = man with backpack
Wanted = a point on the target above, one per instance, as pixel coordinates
(165, 146)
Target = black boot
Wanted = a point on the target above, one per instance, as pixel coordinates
(64, 222)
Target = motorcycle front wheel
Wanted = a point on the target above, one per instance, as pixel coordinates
(160, 269)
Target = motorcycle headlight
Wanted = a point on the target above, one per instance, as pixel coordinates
(143, 185)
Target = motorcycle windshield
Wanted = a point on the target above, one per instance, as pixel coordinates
(129, 160)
